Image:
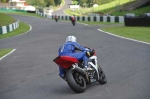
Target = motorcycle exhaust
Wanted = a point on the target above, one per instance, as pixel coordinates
(80, 70)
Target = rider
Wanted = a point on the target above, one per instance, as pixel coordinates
(56, 16)
(73, 18)
(69, 48)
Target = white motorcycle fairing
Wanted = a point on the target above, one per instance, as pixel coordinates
(95, 66)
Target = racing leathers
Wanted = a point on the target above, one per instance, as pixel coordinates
(68, 49)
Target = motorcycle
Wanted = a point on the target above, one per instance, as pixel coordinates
(77, 76)
(73, 22)
(56, 19)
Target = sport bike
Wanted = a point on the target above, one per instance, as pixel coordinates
(79, 77)
(56, 19)
(73, 22)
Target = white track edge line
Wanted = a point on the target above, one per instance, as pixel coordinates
(7, 54)
(82, 23)
(123, 37)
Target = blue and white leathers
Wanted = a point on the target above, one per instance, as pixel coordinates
(69, 48)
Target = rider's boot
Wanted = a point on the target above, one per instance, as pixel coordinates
(62, 76)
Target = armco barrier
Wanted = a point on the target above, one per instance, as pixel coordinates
(9, 28)
(118, 19)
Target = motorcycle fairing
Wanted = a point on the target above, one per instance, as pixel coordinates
(65, 61)
(95, 66)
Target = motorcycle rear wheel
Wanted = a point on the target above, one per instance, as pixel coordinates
(102, 77)
(75, 81)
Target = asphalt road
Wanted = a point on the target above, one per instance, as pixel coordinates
(30, 73)
(61, 10)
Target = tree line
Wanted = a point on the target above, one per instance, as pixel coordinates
(47, 3)
(89, 3)
(4, 1)
(44, 3)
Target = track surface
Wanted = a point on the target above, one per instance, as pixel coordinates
(30, 73)
(61, 10)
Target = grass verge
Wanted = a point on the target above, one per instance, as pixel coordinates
(105, 6)
(100, 23)
(4, 52)
(24, 13)
(137, 33)
(71, 12)
(6, 20)
(22, 29)
(139, 11)
(83, 11)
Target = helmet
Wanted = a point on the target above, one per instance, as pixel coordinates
(71, 39)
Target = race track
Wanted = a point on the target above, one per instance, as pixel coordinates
(30, 73)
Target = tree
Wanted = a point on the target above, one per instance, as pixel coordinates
(50, 3)
(82, 2)
(57, 2)
(31, 2)
(3, 1)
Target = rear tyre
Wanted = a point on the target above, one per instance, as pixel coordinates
(73, 23)
(102, 77)
(75, 81)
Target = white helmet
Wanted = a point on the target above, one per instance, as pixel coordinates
(71, 39)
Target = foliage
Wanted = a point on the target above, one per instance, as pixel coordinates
(57, 2)
(36, 2)
(112, 4)
(44, 3)
(92, 2)
(4, 1)
(50, 3)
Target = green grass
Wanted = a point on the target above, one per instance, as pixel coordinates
(137, 33)
(139, 11)
(100, 23)
(70, 12)
(24, 13)
(4, 52)
(6, 20)
(22, 29)
(108, 6)
(105, 6)
(74, 2)
(115, 8)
